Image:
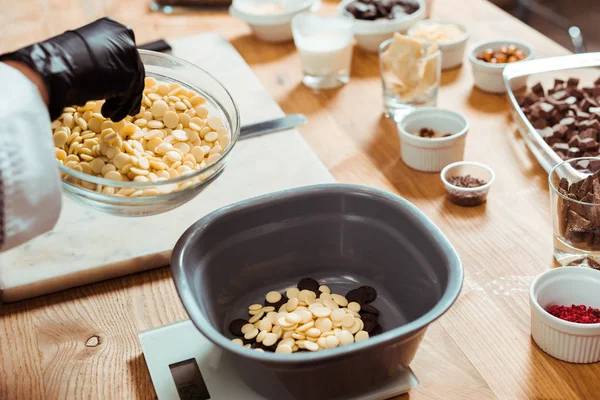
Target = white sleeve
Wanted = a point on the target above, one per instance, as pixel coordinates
(30, 191)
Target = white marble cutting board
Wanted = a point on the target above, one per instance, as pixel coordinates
(88, 246)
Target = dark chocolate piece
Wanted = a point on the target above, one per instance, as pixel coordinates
(309, 284)
(370, 293)
(370, 322)
(235, 326)
(378, 330)
(357, 296)
(369, 309)
(538, 89)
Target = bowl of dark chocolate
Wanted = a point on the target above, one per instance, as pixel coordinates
(344, 236)
(375, 21)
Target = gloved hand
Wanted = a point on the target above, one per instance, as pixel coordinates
(97, 61)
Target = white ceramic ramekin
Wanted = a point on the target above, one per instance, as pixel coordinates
(468, 196)
(273, 28)
(452, 52)
(370, 34)
(488, 76)
(432, 154)
(567, 341)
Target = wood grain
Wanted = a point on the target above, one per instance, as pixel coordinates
(481, 349)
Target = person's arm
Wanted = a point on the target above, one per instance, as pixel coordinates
(30, 193)
(98, 61)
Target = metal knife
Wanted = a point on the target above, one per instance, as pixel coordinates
(273, 125)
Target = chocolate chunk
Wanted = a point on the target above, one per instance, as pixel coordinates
(576, 227)
(546, 132)
(589, 133)
(572, 82)
(564, 147)
(357, 296)
(369, 309)
(577, 93)
(370, 322)
(571, 100)
(588, 144)
(585, 105)
(539, 123)
(531, 98)
(309, 284)
(370, 293)
(378, 330)
(538, 89)
(582, 116)
(573, 152)
(559, 83)
(560, 130)
(595, 165)
(235, 326)
(564, 184)
(546, 109)
(568, 122)
(575, 141)
(593, 124)
(560, 95)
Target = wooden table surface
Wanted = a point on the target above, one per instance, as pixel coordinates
(82, 343)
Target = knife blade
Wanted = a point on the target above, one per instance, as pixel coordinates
(273, 125)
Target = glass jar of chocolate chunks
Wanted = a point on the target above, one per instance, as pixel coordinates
(575, 208)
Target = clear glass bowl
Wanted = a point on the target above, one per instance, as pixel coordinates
(130, 198)
(576, 212)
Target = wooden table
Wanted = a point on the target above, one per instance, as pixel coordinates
(82, 343)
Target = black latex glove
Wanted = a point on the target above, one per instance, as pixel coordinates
(97, 61)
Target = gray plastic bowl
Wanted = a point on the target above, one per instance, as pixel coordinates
(342, 235)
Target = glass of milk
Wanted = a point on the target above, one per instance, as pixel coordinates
(325, 48)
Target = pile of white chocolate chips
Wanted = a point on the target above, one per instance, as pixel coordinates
(174, 134)
(299, 320)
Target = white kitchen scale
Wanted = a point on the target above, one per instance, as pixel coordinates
(184, 365)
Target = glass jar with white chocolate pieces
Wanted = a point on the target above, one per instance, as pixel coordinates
(174, 134)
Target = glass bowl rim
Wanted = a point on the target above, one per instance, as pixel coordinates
(386, 43)
(235, 134)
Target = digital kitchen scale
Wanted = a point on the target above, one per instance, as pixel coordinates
(185, 365)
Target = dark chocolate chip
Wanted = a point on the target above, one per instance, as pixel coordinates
(369, 309)
(370, 322)
(235, 327)
(357, 296)
(370, 293)
(309, 284)
(378, 330)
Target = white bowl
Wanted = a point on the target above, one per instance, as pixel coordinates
(488, 76)
(468, 196)
(432, 154)
(452, 51)
(272, 28)
(370, 34)
(567, 341)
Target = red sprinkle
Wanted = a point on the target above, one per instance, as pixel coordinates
(579, 314)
